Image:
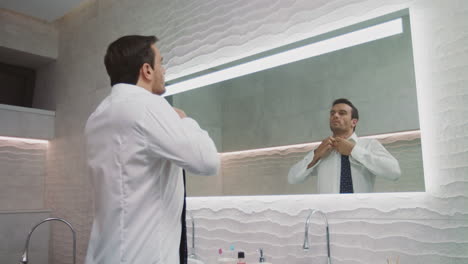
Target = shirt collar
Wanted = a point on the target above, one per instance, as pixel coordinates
(353, 137)
(128, 89)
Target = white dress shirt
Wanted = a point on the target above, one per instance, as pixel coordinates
(136, 146)
(368, 160)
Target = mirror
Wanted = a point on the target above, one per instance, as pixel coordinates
(280, 107)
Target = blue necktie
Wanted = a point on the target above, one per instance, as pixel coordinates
(346, 182)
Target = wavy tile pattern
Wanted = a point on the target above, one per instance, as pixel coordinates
(22, 173)
(352, 240)
(424, 228)
(360, 233)
(264, 171)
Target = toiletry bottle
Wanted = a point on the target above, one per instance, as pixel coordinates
(224, 258)
(232, 252)
(240, 257)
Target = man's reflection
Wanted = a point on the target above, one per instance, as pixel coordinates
(343, 162)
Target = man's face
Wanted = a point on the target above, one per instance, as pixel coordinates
(340, 119)
(157, 86)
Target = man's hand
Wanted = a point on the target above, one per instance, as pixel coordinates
(322, 151)
(180, 112)
(343, 146)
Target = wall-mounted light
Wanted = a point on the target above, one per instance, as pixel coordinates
(25, 140)
(383, 138)
(347, 40)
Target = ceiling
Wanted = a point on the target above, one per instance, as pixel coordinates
(48, 10)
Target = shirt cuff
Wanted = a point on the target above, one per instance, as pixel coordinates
(311, 158)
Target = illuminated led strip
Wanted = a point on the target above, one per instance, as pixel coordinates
(381, 137)
(354, 38)
(26, 140)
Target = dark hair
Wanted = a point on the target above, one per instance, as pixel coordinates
(126, 55)
(354, 111)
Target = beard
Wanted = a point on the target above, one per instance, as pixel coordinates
(339, 129)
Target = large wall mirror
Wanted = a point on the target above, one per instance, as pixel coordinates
(257, 119)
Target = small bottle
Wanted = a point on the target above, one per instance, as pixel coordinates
(224, 258)
(232, 252)
(240, 257)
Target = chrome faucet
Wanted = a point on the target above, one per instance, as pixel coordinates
(24, 258)
(262, 258)
(306, 234)
(192, 254)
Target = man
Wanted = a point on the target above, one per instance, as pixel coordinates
(137, 145)
(343, 162)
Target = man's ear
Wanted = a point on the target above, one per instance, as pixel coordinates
(354, 122)
(146, 72)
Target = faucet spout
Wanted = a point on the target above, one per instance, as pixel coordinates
(306, 246)
(24, 257)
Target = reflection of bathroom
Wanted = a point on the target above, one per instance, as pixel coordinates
(45, 174)
(287, 105)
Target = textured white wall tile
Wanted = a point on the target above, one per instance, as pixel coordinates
(22, 173)
(360, 240)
